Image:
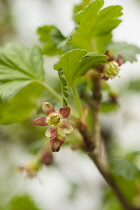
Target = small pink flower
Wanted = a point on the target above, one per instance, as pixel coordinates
(55, 121)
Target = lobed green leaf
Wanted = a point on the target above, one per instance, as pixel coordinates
(91, 61)
(69, 63)
(54, 43)
(19, 66)
(94, 26)
(76, 63)
(81, 6)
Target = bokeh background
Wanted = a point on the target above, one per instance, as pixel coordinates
(72, 182)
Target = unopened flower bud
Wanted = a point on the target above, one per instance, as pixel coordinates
(120, 60)
(57, 140)
(114, 98)
(56, 144)
(47, 157)
(110, 55)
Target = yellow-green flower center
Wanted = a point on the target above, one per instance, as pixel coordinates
(55, 119)
(111, 69)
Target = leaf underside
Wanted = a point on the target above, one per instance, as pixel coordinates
(127, 51)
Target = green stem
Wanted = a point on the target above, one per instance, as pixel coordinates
(77, 99)
(49, 89)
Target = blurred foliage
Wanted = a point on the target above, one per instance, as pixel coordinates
(133, 156)
(16, 134)
(124, 168)
(6, 24)
(21, 106)
(73, 191)
(134, 85)
(128, 187)
(127, 176)
(36, 146)
(23, 202)
(108, 107)
(54, 43)
(110, 202)
(127, 51)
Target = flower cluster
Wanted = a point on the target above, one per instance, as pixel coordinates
(30, 168)
(58, 127)
(44, 157)
(112, 68)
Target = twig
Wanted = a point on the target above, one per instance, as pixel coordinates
(93, 145)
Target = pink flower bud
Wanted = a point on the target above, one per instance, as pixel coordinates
(56, 144)
(47, 157)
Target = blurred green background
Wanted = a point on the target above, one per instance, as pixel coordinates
(72, 182)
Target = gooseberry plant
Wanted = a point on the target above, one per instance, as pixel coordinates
(87, 59)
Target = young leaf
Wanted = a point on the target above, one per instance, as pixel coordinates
(19, 66)
(19, 108)
(75, 63)
(127, 51)
(54, 43)
(91, 61)
(70, 62)
(94, 30)
(123, 167)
